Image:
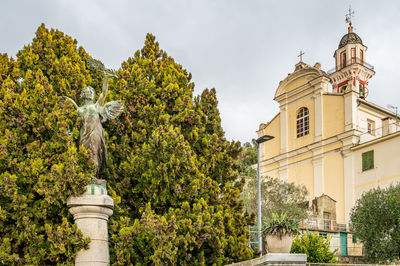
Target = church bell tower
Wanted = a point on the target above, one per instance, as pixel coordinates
(351, 72)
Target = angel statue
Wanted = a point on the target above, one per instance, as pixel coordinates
(93, 115)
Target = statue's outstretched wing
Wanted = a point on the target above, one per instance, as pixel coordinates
(111, 110)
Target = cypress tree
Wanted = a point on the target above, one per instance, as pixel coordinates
(39, 161)
(171, 171)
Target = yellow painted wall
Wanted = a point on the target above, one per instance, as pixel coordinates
(303, 174)
(298, 82)
(334, 146)
(300, 167)
(386, 169)
(334, 182)
(274, 174)
(293, 141)
(269, 167)
(301, 157)
(272, 147)
(333, 107)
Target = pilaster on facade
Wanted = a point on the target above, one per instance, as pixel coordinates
(284, 171)
(350, 140)
(318, 167)
(348, 168)
(284, 129)
(350, 109)
(318, 117)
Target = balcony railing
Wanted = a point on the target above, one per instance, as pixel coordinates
(349, 62)
(316, 223)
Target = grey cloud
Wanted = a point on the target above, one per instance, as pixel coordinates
(242, 48)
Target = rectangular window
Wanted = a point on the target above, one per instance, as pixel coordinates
(354, 239)
(302, 122)
(367, 160)
(324, 235)
(342, 59)
(371, 127)
(362, 56)
(362, 91)
(327, 220)
(353, 55)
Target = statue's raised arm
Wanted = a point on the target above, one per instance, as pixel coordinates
(102, 98)
(108, 73)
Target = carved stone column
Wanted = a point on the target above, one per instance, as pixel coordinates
(91, 212)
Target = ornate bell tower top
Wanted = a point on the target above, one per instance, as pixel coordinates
(351, 72)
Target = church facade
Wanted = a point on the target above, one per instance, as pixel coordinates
(329, 137)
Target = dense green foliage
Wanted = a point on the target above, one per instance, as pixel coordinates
(376, 223)
(316, 248)
(175, 161)
(40, 165)
(172, 174)
(248, 158)
(281, 225)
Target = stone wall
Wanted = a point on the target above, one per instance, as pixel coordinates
(275, 259)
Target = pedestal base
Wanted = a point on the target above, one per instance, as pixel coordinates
(91, 212)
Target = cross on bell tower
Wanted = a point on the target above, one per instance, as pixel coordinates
(348, 19)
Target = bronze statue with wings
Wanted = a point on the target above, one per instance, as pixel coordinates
(93, 115)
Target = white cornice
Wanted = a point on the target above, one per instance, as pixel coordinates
(348, 140)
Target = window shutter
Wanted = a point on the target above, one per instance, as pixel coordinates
(367, 160)
(364, 161)
(371, 159)
(361, 88)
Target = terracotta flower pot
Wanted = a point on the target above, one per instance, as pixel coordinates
(278, 245)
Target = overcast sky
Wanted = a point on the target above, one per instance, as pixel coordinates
(241, 48)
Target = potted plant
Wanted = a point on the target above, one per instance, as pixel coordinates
(279, 233)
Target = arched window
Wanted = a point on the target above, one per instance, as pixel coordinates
(303, 125)
(343, 59)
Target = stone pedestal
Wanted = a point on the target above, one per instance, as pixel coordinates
(91, 212)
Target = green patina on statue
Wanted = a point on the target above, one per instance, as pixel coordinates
(93, 115)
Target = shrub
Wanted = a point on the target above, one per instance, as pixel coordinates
(316, 248)
(376, 222)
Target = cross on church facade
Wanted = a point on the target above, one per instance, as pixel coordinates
(301, 55)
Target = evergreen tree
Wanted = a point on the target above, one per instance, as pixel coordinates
(171, 172)
(176, 176)
(40, 165)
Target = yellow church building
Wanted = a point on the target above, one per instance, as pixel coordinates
(330, 138)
